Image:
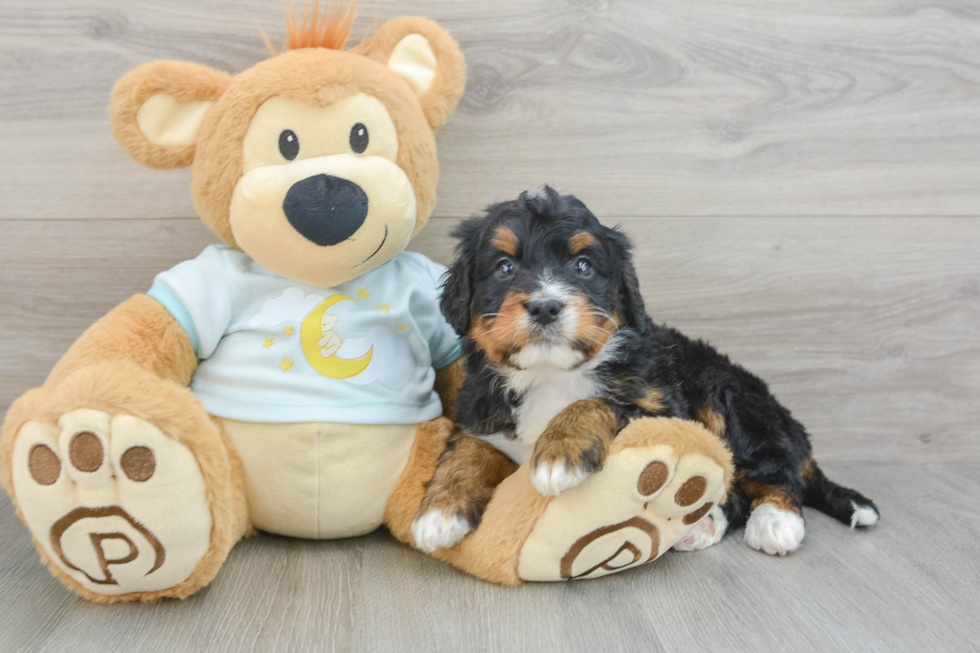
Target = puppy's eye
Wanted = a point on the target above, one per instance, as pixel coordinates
(288, 144)
(584, 267)
(358, 138)
(504, 270)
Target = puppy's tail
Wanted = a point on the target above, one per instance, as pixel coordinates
(847, 506)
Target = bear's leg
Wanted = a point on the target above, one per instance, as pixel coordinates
(131, 491)
(660, 478)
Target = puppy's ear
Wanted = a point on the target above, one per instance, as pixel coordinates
(157, 109)
(631, 303)
(457, 291)
(428, 59)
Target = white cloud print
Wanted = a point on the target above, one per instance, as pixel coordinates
(292, 306)
(392, 362)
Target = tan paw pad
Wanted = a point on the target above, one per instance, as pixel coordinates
(653, 477)
(83, 437)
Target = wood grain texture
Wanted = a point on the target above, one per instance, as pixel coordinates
(722, 134)
(869, 330)
(906, 585)
(727, 107)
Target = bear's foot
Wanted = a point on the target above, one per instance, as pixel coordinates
(130, 490)
(662, 477)
(117, 505)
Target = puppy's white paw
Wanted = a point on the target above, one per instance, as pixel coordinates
(863, 515)
(551, 479)
(435, 530)
(705, 533)
(773, 530)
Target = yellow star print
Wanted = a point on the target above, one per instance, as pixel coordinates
(402, 327)
(384, 307)
(362, 293)
(268, 343)
(288, 330)
(286, 364)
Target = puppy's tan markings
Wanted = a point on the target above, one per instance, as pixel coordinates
(506, 241)
(806, 469)
(624, 385)
(448, 381)
(594, 327)
(773, 494)
(580, 241)
(468, 471)
(652, 402)
(504, 333)
(712, 420)
(578, 436)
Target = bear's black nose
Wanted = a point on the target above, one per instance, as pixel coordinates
(326, 210)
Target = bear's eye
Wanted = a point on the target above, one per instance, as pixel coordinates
(358, 138)
(288, 144)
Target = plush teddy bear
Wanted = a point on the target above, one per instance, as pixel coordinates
(294, 378)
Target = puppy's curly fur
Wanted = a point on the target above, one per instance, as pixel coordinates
(561, 354)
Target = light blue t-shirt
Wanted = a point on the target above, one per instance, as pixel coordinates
(274, 350)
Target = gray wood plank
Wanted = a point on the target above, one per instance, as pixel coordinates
(659, 115)
(906, 585)
(869, 330)
(804, 107)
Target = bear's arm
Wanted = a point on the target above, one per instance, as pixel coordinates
(449, 379)
(140, 330)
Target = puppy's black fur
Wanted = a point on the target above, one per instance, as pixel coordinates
(641, 368)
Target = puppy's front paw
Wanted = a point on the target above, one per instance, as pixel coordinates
(436, 530)
(554, 477)
(774, 531)
(562, 464)
(567, 453)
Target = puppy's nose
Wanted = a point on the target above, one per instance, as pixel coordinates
(326, 210)
(544, 312)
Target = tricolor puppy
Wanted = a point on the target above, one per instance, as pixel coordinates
(560, 355)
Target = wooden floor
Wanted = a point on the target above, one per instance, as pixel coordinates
(908, 585)
(802, 180)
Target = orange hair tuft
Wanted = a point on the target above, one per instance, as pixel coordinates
(316, 29)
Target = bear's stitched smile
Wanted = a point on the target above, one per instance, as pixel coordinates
(383, 239)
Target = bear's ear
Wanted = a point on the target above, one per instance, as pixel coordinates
(425, 56)
(157, 109)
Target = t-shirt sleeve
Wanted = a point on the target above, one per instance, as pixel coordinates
(197, 293)
(444, 345)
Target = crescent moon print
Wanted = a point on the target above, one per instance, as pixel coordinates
(311, 333)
